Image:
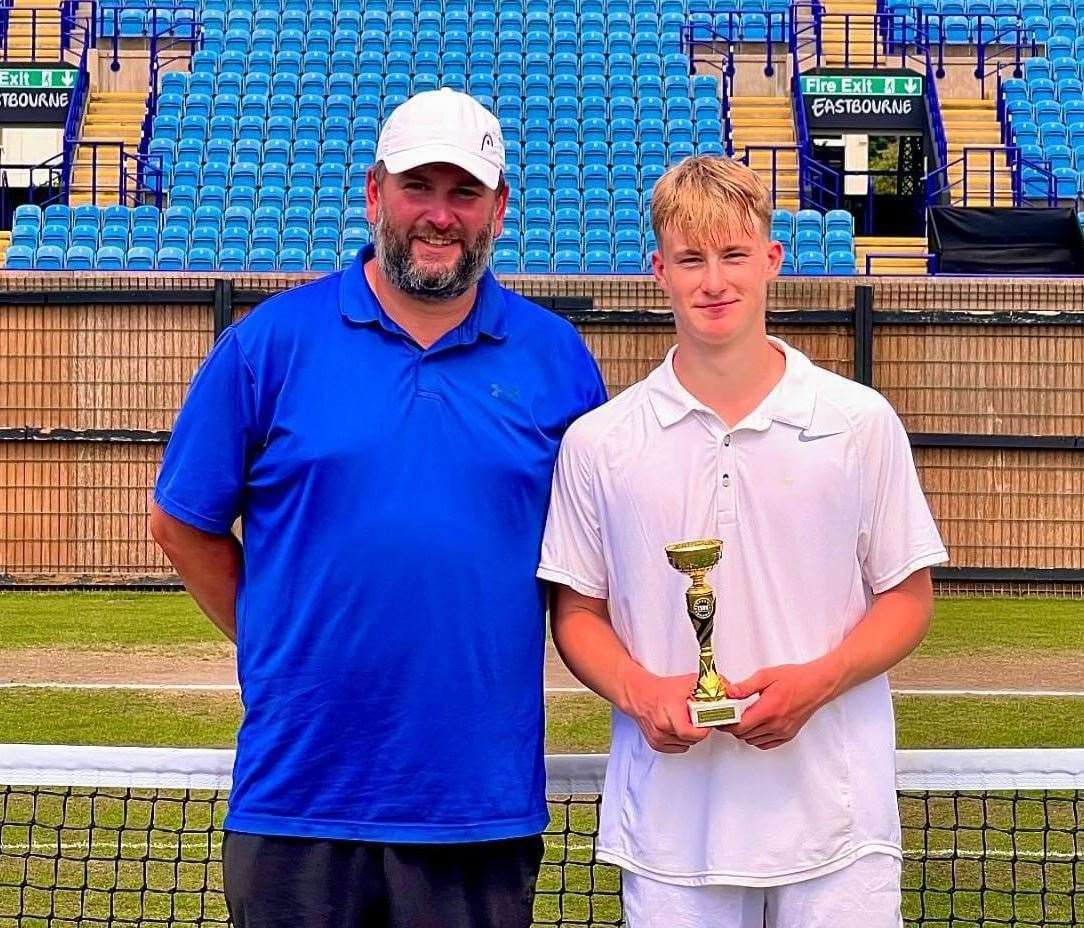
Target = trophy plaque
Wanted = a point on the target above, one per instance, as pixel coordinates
(709, 705)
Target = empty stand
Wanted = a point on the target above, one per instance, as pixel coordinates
(972, 129)
(111, 117)
(763, 134)
(847, 31)
(33, 30)
(282, 110)
(265, 144)
(815, 243)
(1044, 115)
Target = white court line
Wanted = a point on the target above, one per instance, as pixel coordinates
(232, 687)
(910, 853)
(946, 692)
(197, 687)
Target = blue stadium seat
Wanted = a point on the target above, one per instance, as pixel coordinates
(19, 258)
(812, 262)
(49, 257)
(841, 263)
(79, 258)
(26, 236)
(109, 258)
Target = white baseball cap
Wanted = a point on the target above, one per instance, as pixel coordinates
(443, 125)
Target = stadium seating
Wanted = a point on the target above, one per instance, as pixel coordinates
(180, 238)
(1044, 113)
(264, 145)
(815, 243)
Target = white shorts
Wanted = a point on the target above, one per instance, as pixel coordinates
(865, 894)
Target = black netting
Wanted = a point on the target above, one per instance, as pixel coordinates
(72, 856)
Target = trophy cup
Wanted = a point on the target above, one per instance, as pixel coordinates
(709, 705)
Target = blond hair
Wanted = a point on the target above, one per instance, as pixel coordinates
(707, 197)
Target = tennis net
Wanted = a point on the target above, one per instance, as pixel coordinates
(132, 836)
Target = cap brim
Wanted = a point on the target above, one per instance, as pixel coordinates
(487, 172)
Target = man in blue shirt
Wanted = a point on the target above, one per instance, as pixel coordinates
(387, 436)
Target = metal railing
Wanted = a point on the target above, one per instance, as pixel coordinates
(893, 40)
(728, 29)
(980, 167)
(928, 256)
(725, 71)
(166, 46)
(805, 39)
(936, 121)
(160, 25)
(80, 40)
(139, 177)
(774, 152)
(5, 9)
(43, 24)
(819, 185)
(45, 184)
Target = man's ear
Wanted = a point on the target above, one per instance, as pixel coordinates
(658, 268)
(372, 196)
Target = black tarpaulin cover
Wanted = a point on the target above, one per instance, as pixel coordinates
(1006, 240)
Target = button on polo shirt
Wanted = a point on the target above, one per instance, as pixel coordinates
(815, 497)
(390, 627)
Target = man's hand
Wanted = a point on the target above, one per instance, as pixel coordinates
(660, 706)
(789, 695)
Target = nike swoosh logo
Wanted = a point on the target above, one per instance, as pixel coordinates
(802, 436)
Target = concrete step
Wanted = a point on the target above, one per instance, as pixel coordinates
(901, 244)
(969, 103)
(763, 102)
(764, 137)
(106, 111)
(976, 136)
(749, 117)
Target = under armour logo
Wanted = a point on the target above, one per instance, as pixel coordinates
(499, 392)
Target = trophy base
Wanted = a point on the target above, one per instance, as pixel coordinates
(710, 713)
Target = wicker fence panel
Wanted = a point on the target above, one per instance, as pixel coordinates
(98, 367)
(998, 508)
(996, 380)
(76, 512)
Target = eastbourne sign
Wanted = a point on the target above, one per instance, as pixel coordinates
(888, 101)
(32, 96)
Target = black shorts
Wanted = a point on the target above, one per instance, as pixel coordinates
(274, 882)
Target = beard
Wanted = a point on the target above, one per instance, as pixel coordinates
(400, 269)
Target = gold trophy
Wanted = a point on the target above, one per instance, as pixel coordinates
(709, 705)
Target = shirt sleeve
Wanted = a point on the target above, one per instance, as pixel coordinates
(572, 550)
(204, 468)
(898, 535)
(596, 394)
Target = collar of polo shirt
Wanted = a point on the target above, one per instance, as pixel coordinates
(358, 304)
(790, 401)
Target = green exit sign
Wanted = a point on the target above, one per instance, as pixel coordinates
(37, 78)
(861, 85)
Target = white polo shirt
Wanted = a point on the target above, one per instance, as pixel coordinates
(815, 497)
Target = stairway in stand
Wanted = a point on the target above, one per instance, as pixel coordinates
(34, 31)
(110, 117)
(896, 254)
(848, 42)
(764, 121)
(973, 124)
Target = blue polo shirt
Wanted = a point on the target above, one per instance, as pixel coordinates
(390, 625)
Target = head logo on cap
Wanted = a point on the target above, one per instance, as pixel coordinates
(443, 126)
